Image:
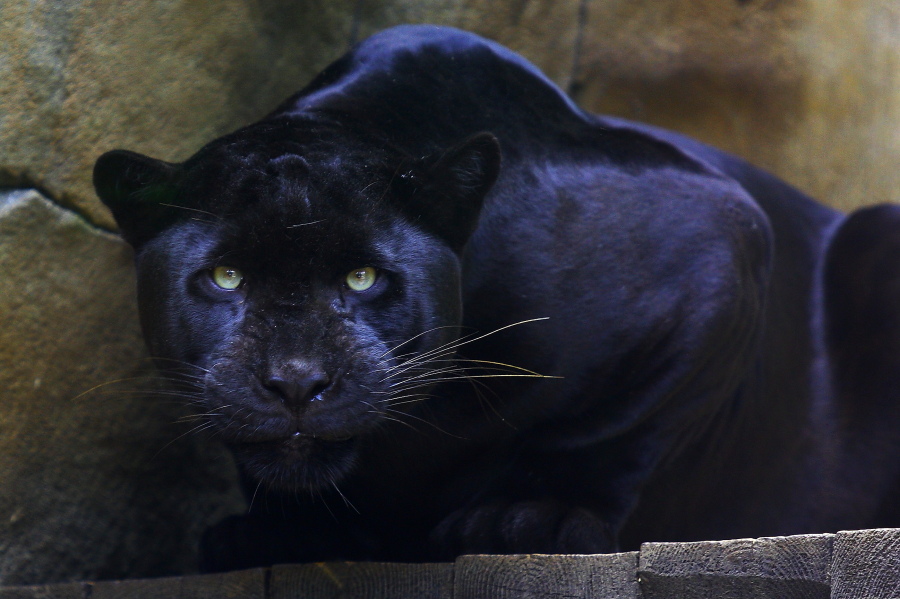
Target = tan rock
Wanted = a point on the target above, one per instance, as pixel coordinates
(807, 89)
(163, 77)
(544, 32)
(92, 467)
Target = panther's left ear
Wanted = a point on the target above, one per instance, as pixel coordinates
(139, 192)
(445, 193)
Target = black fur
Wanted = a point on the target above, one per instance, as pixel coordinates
(719, 351)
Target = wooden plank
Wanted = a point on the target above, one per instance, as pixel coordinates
(776, 567)
(243, 584)
(72, 590)
(143, 588)
(866, 564)
(363, 580)
(524, 576)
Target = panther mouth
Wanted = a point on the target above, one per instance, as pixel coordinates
(299, 437)
(298, 444)
(302, 446)
(299, 461)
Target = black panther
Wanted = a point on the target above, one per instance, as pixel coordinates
(436, 308)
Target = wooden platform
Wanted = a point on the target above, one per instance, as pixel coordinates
(846, 565)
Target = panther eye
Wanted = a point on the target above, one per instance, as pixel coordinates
(361, 279)
(227, 278)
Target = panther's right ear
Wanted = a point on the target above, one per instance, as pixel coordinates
(444, 192)
(139, 191)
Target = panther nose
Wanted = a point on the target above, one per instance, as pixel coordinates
(297, 386)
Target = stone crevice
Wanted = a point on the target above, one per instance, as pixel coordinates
(573, 84)
(23, 185)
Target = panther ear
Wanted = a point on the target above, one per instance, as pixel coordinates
(445, 193)
(139, 191)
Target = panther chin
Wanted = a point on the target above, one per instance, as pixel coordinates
(299, 462)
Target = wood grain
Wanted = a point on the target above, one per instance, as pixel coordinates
(850, 565)
(866, 564)
(244, 584)
(558, 576)
(362, 580)
(71, 590)
(776, 567)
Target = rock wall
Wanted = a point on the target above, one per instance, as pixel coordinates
(809, 89)
(97, 482)
(94, 479)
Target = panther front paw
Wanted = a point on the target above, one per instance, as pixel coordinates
(523, 527)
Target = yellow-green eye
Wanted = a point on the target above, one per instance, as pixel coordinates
(227, 277)
(361, 279)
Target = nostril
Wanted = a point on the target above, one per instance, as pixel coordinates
(285, 388)
(300, 389)
(316, 387)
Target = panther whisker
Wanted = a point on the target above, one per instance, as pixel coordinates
(179, 362)
(418, 376)
(395, 399)
(503, 364)
(398, 421)
(412, 365)
(298, 225)
(191, 417)
(215, 216)
(107, 384)
(468, 376)
(253, 498)
(417, 399)
(196, 430)
(414, 337)
(487, 376)
(422, 420)
(446, 349)
(465, 341)
(346, 501)
(137, 393)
